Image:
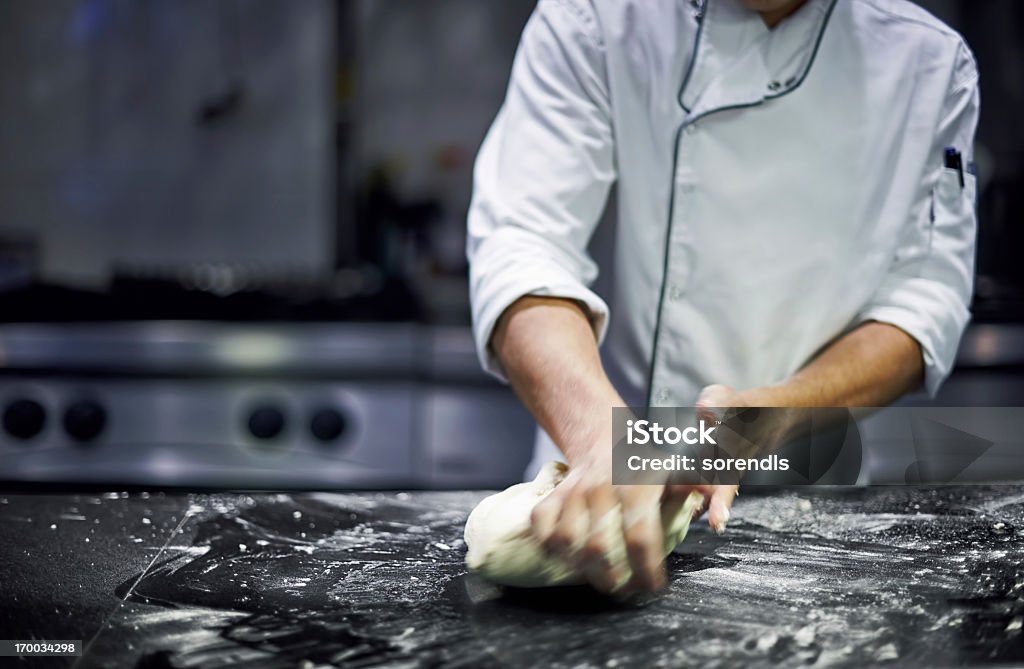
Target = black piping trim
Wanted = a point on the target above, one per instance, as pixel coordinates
(671, 207)
(664, 270)
(675, 160)
(775, 96)
(693, 59)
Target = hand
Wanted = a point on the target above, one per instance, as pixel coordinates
(715, 400)
(751, 434)
(713, 403)
(718, 500)
(754, 422)
(568, 523)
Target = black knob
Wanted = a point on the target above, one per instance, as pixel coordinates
(85, 420)
(24, 419)
(266, 422)
(327, 424)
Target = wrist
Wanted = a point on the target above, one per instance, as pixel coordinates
(589, 439)
(766, 396)
(788, 415)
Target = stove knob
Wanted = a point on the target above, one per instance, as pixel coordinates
(85, 420)
(266, 422)
(328, 424)
(24, 419)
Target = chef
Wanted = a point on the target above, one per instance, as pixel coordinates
(795, 226)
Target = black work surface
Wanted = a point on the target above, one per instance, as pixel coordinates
(819, 578)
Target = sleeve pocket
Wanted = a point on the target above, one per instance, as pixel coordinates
(952, 205)
(950, 197)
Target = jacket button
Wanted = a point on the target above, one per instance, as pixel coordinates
(774, 86)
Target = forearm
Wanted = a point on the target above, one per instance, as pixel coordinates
(548, 351)
(872, 365)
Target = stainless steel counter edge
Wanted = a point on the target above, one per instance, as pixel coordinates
(323, 350)
(181, 348)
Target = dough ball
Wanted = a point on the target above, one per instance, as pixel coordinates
(502, 548)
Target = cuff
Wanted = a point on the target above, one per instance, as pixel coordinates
(488, 309)
(938, 344)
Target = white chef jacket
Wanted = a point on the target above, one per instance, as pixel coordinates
(775, 187)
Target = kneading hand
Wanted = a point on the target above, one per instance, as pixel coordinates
(570, 524)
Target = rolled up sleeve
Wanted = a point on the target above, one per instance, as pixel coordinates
(927, 291)
(543, 173)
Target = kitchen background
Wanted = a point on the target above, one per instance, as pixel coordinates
(232, 233)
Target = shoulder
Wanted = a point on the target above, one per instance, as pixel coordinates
(916, 27)
(573, 16)
(906, 13)
(618, 21)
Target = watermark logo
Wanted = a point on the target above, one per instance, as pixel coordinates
(817, 446)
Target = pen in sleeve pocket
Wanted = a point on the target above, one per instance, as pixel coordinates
(954, 161)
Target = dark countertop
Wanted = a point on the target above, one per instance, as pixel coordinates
(841, 577)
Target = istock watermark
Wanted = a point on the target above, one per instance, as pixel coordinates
(818, 446)
(643, 432)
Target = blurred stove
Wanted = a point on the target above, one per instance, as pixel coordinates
(200, 404)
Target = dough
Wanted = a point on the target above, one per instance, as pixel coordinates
(502, 548)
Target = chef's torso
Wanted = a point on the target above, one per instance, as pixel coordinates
(768, 180)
